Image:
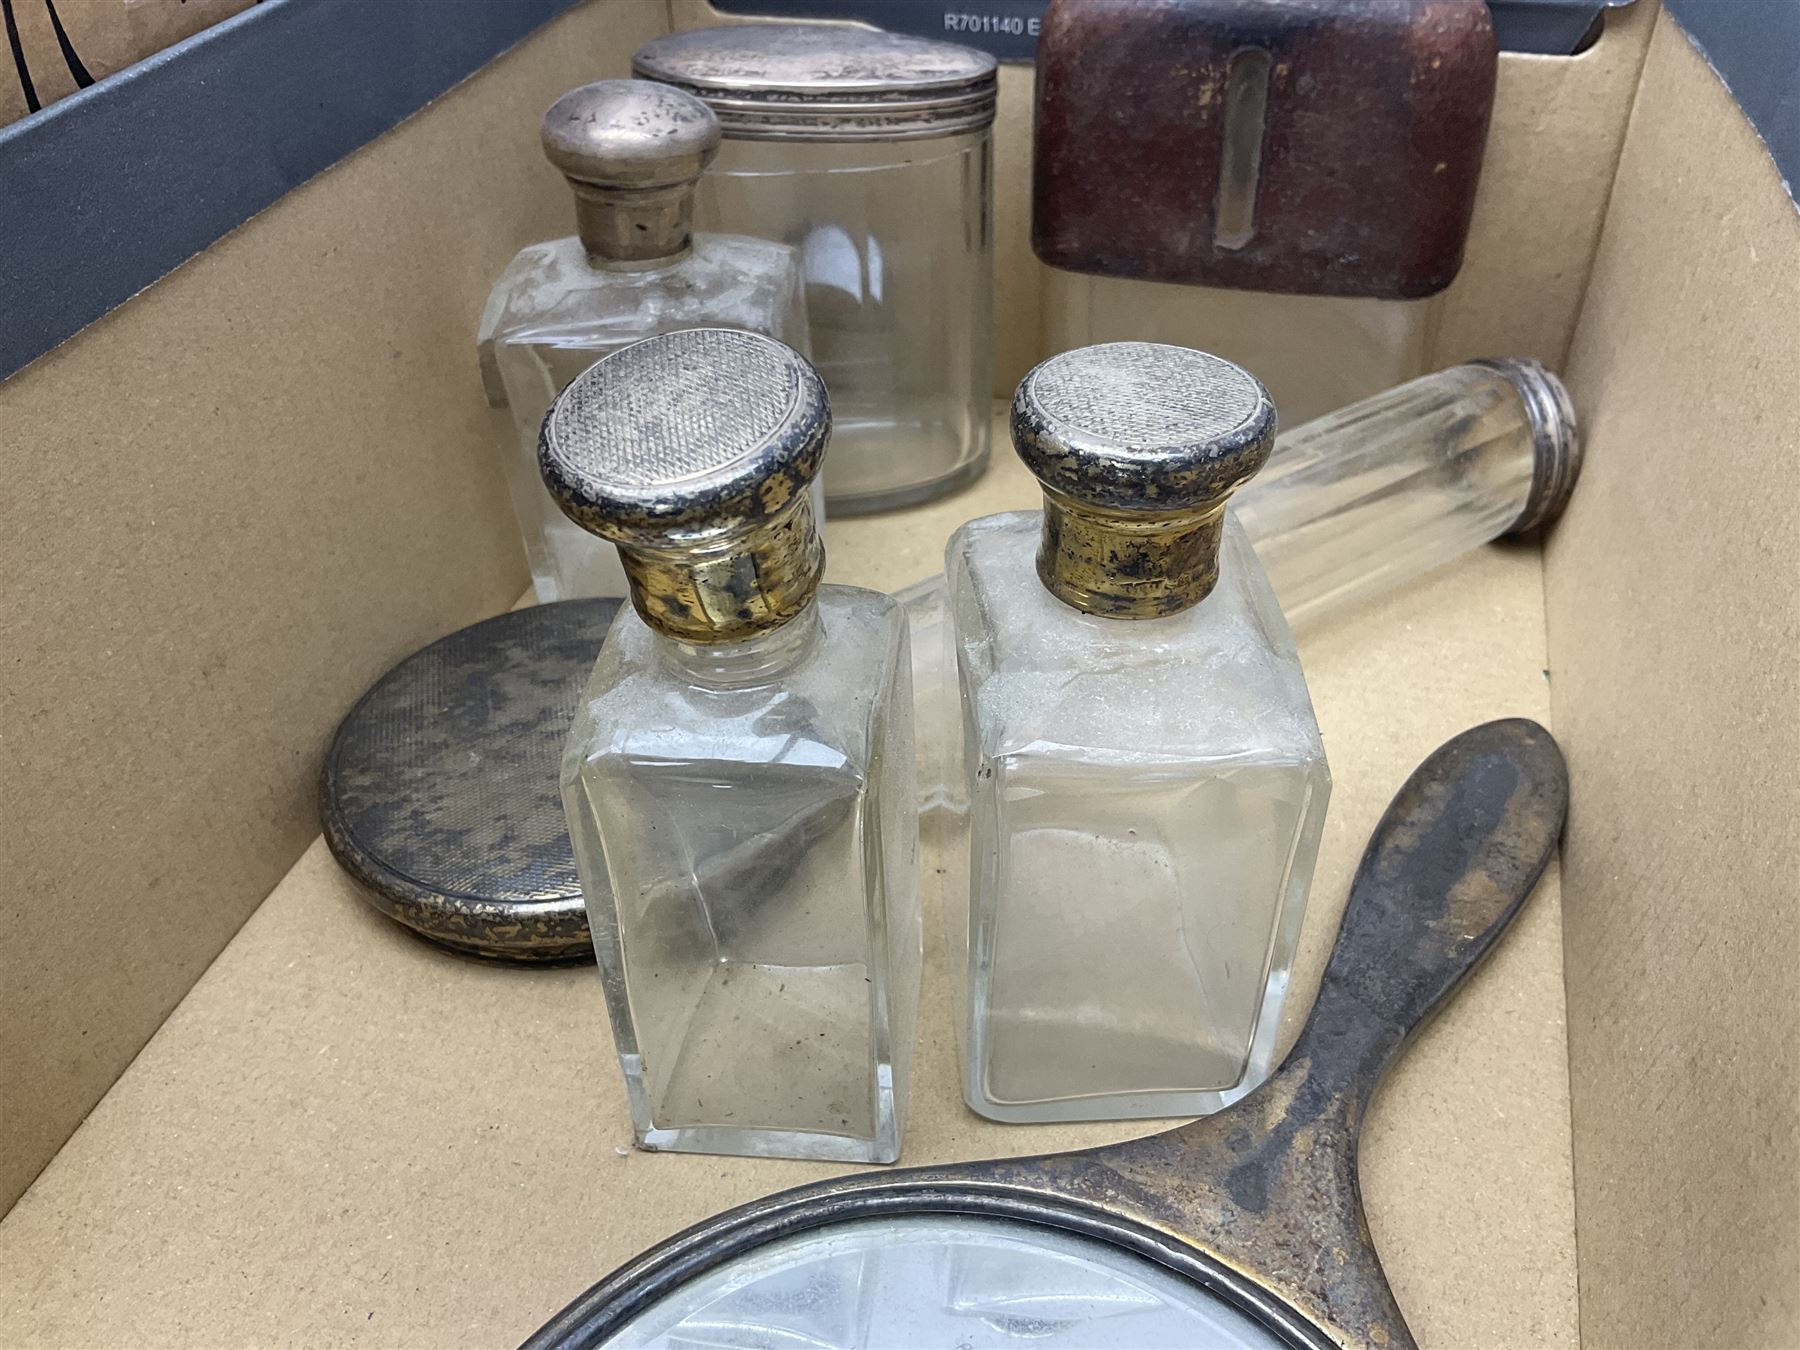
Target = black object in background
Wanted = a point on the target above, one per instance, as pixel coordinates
(1009, 28)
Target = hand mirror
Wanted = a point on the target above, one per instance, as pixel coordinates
(1241, 1229)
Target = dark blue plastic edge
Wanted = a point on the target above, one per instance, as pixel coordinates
(1009, 28)
(1754, 47)
(115, 186)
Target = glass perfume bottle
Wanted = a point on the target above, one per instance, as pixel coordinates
(740, 767)
(1146, 778)
(633, 152)
(1349, 506)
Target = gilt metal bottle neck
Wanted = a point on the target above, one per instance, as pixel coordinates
(732, 588)
(752, 660)
(1129, 565)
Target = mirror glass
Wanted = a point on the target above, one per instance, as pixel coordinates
(942, 1280)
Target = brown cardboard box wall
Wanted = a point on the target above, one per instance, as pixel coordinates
(338, 1135)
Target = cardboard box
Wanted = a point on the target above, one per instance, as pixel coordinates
(239, 497)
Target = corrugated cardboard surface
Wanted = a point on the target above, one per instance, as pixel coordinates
(1674, 598)
(343, 1136)
(229, 505)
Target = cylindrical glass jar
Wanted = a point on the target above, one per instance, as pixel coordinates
(872, 154)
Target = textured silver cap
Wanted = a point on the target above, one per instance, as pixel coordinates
(703, 431)
(1141, 426)
(630, 134)
(826, 81)
(1137, 446)
(692, 451)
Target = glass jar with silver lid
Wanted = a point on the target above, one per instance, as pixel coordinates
(872, 153)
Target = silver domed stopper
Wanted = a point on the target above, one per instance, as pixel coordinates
(632, 150)
(693, 452)
(1137, 445)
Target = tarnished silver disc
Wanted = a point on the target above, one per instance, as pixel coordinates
(1146, 398)
(440, 794)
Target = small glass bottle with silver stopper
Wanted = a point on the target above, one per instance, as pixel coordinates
(1146, 778)
(740, 767)
(633, 152)
(1349, 507)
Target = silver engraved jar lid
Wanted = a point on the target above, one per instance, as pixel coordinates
(630, 134)
(826, 81)
(1142, 426)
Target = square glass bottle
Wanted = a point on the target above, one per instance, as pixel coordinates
(1146, 777)
(739, 775)
(633, 152)
(1349, 506)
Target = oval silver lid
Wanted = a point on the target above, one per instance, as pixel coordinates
(826, 81)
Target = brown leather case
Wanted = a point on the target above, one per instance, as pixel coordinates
(1316, 147)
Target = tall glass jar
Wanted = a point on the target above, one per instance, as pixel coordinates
(872, 154)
